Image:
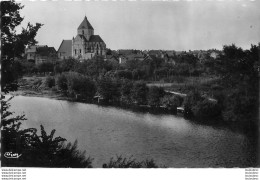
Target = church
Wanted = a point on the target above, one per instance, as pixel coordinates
(84, 46)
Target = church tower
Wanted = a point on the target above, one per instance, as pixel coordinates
(86, 29)
(86, 45)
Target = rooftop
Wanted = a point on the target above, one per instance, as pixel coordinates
(85, 24)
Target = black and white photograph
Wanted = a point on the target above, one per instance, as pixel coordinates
(130, 84)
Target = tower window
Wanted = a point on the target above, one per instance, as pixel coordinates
(82, 31)
(75, 51)
(80, 51)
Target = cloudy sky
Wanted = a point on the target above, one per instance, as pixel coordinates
(149, 25)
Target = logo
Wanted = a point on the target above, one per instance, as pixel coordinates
(12, 155)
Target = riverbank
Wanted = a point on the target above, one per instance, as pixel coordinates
(37, 87)
(136, 109)
(46, 93)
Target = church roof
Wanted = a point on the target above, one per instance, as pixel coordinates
(85, 24)
(95, 38)
(66, 46)
(82, 37)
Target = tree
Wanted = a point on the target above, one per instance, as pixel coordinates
(207, 110)
(172, 101)
(109, 52)
(238, 71)
(109, 88)
(139, 92)
(154, 95)
(80, 84)
(190, 102)
(67, 65)
(126, 89)
(50, 81)
(28, 67)
(13, 44)
(62, 82)
(46, 67)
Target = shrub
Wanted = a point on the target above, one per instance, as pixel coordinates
(120, 162)
(206, 110)
(45, 67)
(125, 89)
(79, 84)
(62, 82)
(154, 95)
(139, 92)
(70, 156)
(191, 101)
(109, 89)
(124, 74)
(172, 102)
(50, 81)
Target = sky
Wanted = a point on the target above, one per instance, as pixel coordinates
(146, 25)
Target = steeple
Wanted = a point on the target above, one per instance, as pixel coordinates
(85, 29)
(85, 24)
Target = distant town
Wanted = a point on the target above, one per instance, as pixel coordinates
(86, 46)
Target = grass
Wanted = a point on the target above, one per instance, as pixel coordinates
(203, 84)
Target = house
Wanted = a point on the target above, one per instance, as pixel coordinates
(156, 53)
(170, 53)
(65, 49)
(139, 57)
(122, 59)
(130, 57)
(40, 54)
(30, 52)
(125, 51)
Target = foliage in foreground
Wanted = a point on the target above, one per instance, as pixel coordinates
(37, 150)
(120, 162)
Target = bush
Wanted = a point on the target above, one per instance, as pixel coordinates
(62, 82)
(79, 84)
(124, 74)
(191, 101)
(125, 89)
(70, 156)
(50, 81)
(120, 162)
(139, 92)
(206, 110)
(241, 109)
(46, 67)
(109, 89)
(154, 95)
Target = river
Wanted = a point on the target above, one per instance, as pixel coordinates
(105, 132)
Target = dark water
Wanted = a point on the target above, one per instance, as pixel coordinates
(105, 132)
